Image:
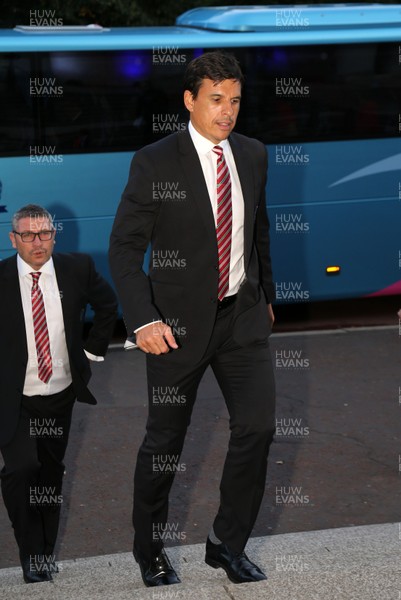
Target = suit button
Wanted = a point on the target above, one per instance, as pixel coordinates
(216, 268)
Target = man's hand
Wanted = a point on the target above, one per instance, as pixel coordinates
(152, 339)
(271, 314)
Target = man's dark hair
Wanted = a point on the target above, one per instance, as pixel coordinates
(34, 211)
(216, 66)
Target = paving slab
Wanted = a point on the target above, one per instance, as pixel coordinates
(354, 563)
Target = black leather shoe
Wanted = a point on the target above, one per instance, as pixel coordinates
(238, 567)
(33, 573)
(157, 570)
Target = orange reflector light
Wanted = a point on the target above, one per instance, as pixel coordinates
(333, 270)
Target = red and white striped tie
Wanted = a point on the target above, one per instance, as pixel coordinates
(224, 221)
(40, 329)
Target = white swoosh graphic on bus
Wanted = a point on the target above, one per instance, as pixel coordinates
(392, 163)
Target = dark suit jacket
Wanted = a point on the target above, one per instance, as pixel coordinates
(182, 226)
(79, 284)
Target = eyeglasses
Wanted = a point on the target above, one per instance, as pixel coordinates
(29, 236)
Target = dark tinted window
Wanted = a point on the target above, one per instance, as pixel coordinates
(17, 116)
(319, 93)
(122, 100)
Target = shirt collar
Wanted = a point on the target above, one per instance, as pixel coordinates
(202, 144)
(25, 269)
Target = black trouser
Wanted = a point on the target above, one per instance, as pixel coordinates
(31, 479)
(245, 376)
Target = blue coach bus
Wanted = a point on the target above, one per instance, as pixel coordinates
(323, 92)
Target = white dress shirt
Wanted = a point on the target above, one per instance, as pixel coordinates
(61, 376)
(208, 160)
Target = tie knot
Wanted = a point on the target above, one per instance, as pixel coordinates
(35, 277)
(218, 150)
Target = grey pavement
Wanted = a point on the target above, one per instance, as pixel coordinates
(355, 563)
(334, 480)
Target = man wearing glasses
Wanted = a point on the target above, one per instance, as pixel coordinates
(44, 368)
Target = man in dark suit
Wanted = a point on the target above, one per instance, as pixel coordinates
(44, 367)
(205, 301)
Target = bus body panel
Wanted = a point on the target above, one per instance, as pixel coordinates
(334, 184)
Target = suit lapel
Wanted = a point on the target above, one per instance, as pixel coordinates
(12, 297)
(193, 173)
(66, 287)
(245, 174)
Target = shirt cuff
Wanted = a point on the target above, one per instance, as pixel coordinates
(93, 357)
(142, 326)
